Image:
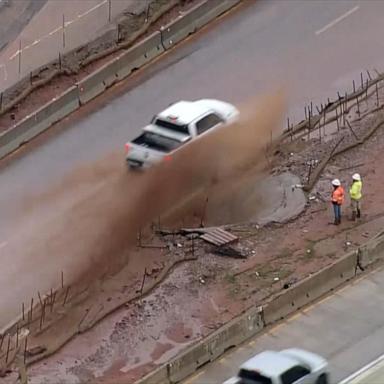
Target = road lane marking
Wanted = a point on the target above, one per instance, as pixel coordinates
(362, 370)
(92, 9)
(293, 317)
(3, 244)
(60, 28)
(336, 21)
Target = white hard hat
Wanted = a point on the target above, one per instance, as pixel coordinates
(356, 177)
(336, 182)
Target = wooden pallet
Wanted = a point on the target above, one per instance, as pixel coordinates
(218, 237)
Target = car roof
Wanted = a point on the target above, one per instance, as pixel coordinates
(307, 358)
(269, 363)
(184, 112)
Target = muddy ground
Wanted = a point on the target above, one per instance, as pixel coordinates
(200, 289)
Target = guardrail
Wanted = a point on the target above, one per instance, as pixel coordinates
(39, 121)
(258, 318)
(119, 68)
(114, 71)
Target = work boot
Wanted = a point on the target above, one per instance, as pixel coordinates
(353, 216)
(358, 214)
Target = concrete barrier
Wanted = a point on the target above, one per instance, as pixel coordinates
(158, 376)
(188, 362)
(11, 139)
(228, 336)
(39, 121)
(194, 19)
(311, 288)
(120, 67)
(372, 251)
(54, 111)
(211, 13)
(139, 55)
(98, 81)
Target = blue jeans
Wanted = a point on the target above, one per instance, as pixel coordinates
(337, 211)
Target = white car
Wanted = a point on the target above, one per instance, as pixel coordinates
(290, 366)
(176, 126)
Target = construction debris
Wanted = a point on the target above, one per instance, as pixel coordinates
(219, 237)
(229, 251)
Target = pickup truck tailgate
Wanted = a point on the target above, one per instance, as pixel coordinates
(149, 148)
(139, 155)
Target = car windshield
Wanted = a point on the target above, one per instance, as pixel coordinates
(172, 126)
(157, 142)
(253, 377)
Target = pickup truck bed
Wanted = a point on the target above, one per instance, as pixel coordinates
(156, 142)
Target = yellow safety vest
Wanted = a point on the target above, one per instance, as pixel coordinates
(355, 190)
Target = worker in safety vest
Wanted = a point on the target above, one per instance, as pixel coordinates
(337, 200)
(355, 195)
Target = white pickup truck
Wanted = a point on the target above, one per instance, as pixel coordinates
(290, 366)
(177, 125)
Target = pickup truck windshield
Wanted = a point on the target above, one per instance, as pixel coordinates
(157, 142)
(172, 126)
(253, 377)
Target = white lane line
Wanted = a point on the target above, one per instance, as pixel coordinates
(334, 22)
(361, 371)
(66, 23)
(91, 9)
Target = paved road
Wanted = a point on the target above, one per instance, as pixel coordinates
(347, 328)
(314, 48)
(41, 37)
(14, 15)
(266, 45)
(373, 373)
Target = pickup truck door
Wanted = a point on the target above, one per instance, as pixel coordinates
(207, 122)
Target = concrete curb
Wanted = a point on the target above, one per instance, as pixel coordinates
(114, 71)
(256, 319)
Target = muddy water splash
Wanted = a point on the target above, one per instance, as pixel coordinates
(85, 224)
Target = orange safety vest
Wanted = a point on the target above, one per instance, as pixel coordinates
(338, 195)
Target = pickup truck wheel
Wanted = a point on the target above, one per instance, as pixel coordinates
(322, 379)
